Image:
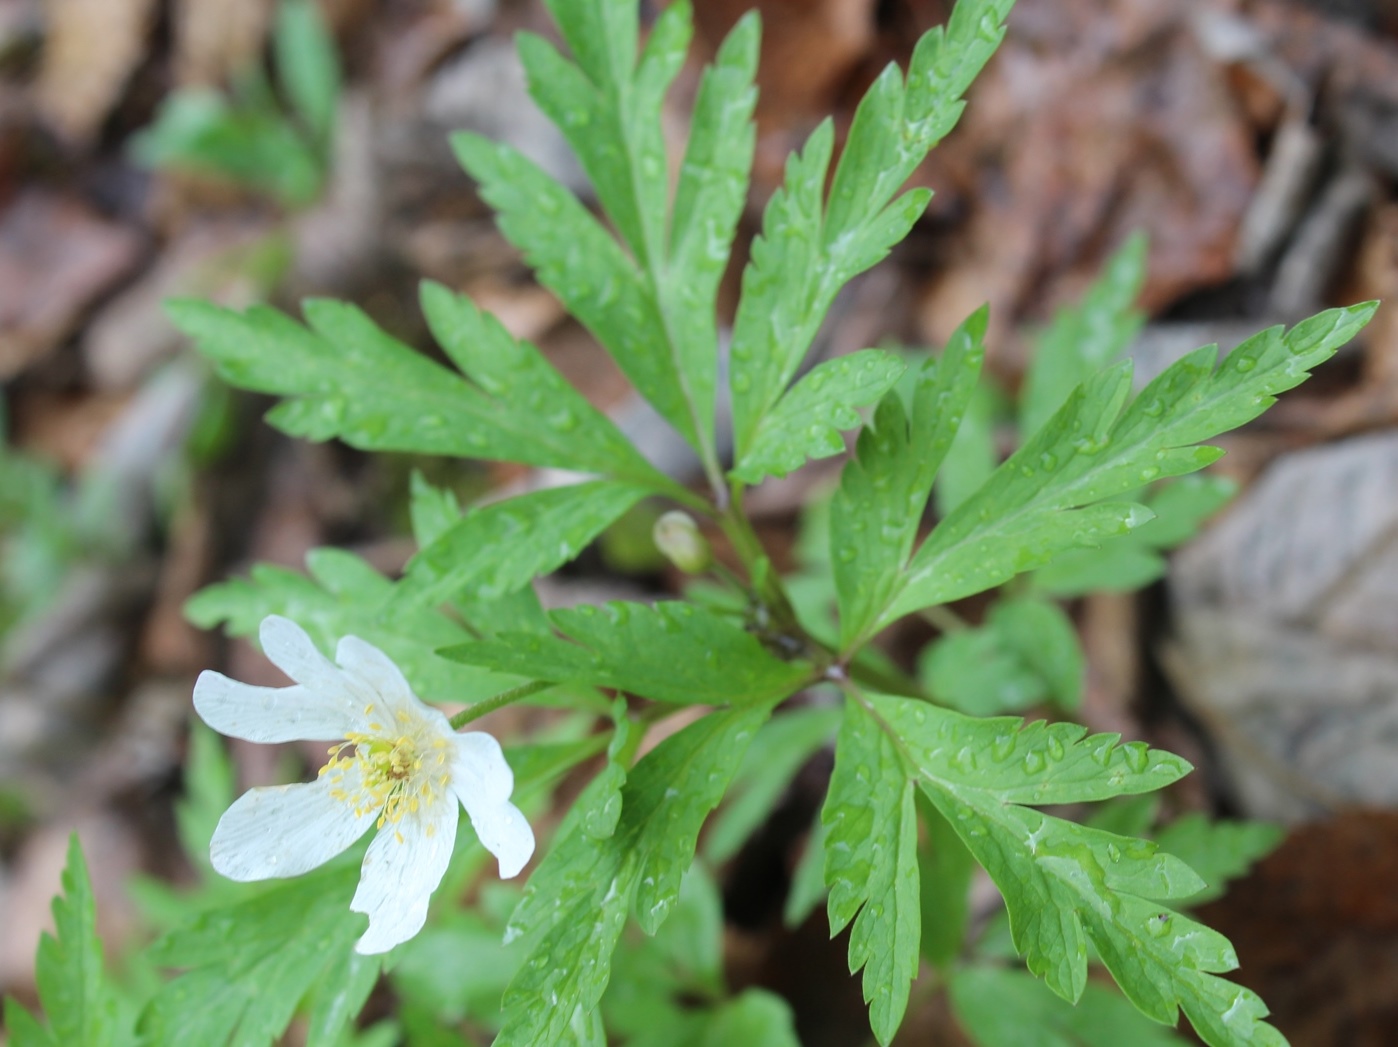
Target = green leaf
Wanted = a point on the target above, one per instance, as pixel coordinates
(670, 652)
(778, 752)
(754, 1018)
(1084, 338)
(808, 881)
(344, 377)
(1003, 1008)
(1065, 884)
(972, 456)
(807, 421)
(577, 900)
(1028, 511)
(803, 258)
(875, 514)
(249, 965)
(971, 670)
(521, 379)
(501, 547)
(1218, 851)
(579, 261)
(81, 1004)
(1042, 637)
(871, 865)
(945, 868)
(346, 597)
(1180, 507)
(307, 65)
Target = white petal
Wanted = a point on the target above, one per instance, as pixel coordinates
(286, 830)
(402, 868)
(375, 674)
(483, 781)
(272, 714)
(504, 832)
(479, 773)
(291, 651)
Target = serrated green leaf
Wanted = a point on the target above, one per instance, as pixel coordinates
(577, 900)
(1092, 449)
(577, 259)
(945, 868)
(1003, 1008)
(346, 597)
(1065, 884)
(871, 865)
(501, 547)
(250, 964)
(1085, 337)
(875, 514)
(79, 1001)
(517, 375)
(308, 66)
(432, 509)
(972, 671)
(807, 421)
(1218, 851)
(802, 258)
(344, 377)
(602, 810)
(778, 752)
(670, 652)
(339, 997)
(1180, 507)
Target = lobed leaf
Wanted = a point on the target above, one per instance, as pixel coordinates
(308, 66)
(669, 652)
(803, 257)
(871, 865)
(1029, 510)
(577, 901)
(1218, 851)
(875, 514)
(807, 421)
(501, 547)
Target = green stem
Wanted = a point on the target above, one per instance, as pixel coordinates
(499, 701)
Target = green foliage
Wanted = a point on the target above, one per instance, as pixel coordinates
(1048, 496)
(255, 139)
(806, 253)
(1218, 851)
(499, 548)
(945, 868)
(806, 423)
(1084, 338)
(578, 899)
(671, 652)
(249, 965)
(871, 866)
(82, 1004)
(1066, 884)
(884, 489)
(344, 596)
(1002, 1008)
(1027, 651)
(778, 752)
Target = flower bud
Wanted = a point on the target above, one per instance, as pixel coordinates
(677, 537)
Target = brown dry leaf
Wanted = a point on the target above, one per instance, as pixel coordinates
(92, 48)
(1086, 127)
(56, 258)
(215, 39)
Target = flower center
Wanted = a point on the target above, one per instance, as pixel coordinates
(397, 774)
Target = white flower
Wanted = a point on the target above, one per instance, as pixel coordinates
(400, 767)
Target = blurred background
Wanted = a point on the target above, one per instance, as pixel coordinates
(150, 149)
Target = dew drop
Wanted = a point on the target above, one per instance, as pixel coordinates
(1245, 364)
(1137, 755)
(1003, 747)
(1055, 747)
(1034, 761)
